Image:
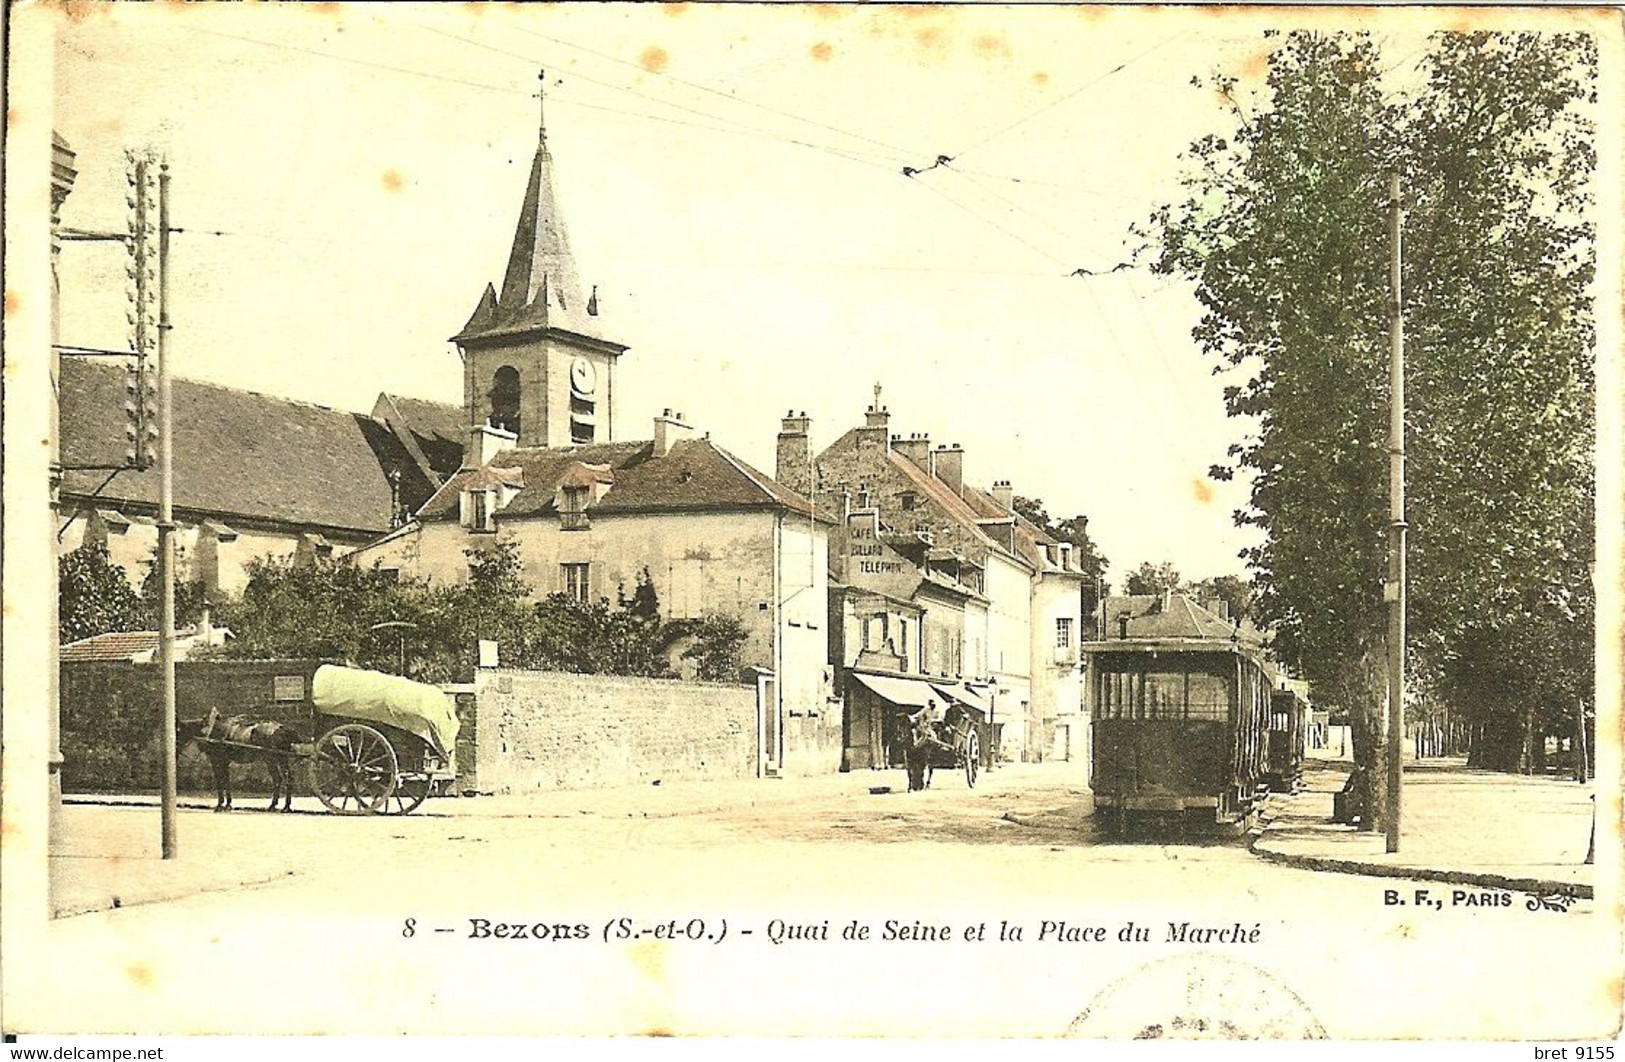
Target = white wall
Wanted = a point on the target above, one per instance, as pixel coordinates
(1009, 647)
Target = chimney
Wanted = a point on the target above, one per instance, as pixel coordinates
(794, 467)
(485, 442)
(877, 417)
(948, 465)
(1003, 494)
(917, 448)
(670, 429)
(204, 626)
(1122, 624)
(873, 432)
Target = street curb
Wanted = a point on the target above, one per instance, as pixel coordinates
(117, 903)
(574, 813)
(1452, 877)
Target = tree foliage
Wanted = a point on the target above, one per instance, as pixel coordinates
(189, 595)
(1282, 231)
(1151, 578)
(1073, 529)
(94, 595)
(374, 619)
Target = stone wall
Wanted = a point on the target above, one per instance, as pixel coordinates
(111, 713)
(541, 730)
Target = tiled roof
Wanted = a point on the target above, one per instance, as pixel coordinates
(115, 645)
(1029, 539)
(139, 646)
(436, 427)
(944, 496)
(239, 453)
(695, 475)
(1153, 616)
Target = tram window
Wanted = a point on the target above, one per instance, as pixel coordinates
(1209, 697)
(1164, 695)
(1120, 695)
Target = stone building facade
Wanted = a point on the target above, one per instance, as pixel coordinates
(999, 599)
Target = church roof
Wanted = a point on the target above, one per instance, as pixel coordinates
(239, 453)
(435, 428)
(695, 476)
(541, 288)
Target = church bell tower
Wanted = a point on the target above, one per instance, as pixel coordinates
(535, 358)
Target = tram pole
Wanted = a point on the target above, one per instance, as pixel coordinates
(166, 517)
(1394, 592)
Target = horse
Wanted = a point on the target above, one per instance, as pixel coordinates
(919, 740)
(250, 740)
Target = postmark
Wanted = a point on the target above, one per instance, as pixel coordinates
(1197, 996)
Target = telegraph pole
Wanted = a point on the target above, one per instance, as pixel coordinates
(166, 515)
(148, 426)
(1394, 592)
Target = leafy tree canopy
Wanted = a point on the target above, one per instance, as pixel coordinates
(1283, 233)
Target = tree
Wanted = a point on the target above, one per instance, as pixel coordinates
(190, 596)
(326, 609)
(1151, 578)
(1282, 233)
(94, 595)
(1074, 529)
(718, 639)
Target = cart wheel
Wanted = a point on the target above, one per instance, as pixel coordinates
(353, 770)
(972, 760)
(410, 791)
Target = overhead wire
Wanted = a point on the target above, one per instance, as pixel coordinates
(735, 127)
(894, 155)
(1062, 99)
(1046, 222)
(731, 97)
(354, 61)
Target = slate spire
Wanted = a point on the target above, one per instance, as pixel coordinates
(541, 287)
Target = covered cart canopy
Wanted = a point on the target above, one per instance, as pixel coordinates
(375, 697)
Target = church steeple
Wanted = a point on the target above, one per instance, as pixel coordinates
(535, 361)
(541, 287)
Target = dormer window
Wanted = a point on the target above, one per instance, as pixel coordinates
(909, 499)
(479, 510)
(573, 508)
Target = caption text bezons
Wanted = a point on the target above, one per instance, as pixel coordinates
(778, 931)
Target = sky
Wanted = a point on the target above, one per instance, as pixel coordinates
(731, 178)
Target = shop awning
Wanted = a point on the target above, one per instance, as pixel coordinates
(903, 692)
(964, 696)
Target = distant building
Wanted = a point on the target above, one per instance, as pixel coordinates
(999, 598)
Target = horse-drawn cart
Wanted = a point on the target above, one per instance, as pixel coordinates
(947, 743)
(385, 741)
(382, 743)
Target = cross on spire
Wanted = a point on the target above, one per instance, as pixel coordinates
(541, 114)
